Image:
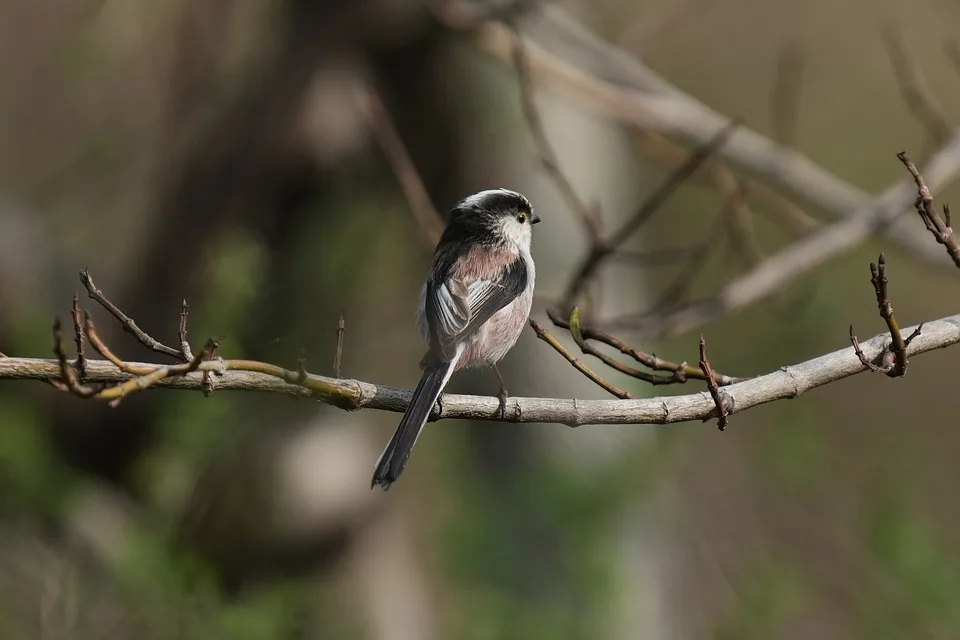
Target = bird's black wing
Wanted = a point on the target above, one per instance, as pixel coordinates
(456, 308)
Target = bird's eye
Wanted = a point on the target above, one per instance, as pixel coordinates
(522, 217)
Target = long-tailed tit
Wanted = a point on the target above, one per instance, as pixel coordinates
(472, 307)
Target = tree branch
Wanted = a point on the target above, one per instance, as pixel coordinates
(563, 52)
(774, 272)
(246, 375)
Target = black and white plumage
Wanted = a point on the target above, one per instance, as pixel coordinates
(472, 308)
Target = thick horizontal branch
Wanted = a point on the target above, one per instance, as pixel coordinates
(787, 382)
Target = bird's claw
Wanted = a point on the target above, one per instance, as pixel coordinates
(502, 396)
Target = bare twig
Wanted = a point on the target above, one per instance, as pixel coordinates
(127, 322)
(588, 216)
(885, 357)
(786, 382)
(782, 211)
(696, 261)
(915, 91)
(430, 221)
(651, 204)
(78, 336)
(893, 361)
(680, 372)
(772, 274)
(103, 350)
(184, 344)
(338, 355)
(209, 382)
(145, 376)
(740, 230)
(678, 376)
(712, 387)
(939, 227)
(67, 375)
(560, 50)
(594, 377)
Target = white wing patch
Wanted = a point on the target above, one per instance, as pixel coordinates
(457, 302)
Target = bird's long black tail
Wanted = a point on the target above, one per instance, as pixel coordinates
(394, 456)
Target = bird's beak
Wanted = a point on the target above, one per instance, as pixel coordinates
(534, 219)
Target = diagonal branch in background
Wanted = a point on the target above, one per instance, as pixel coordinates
(740, 231)
(940, 227)
(601, 250)
(916, 93)
(564, 53)
(780, 210)
(589, 217)
(786, 382)
(698, 257)
(777, 270)
(426, 215)
(893, 359)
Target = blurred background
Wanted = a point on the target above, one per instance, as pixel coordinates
(223, 152)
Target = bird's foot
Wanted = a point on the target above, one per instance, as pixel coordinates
(502, 396)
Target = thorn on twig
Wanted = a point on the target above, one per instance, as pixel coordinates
(208, 384)
(939, 227)
(712, 387)
(78, 336)
(68, 377)
(185, 350)
(128, 324)
(338, 354)
(547, 337)
(893, 359)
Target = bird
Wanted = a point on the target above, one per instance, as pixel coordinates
(472, 307)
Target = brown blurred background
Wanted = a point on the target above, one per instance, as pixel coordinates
(220, 151)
